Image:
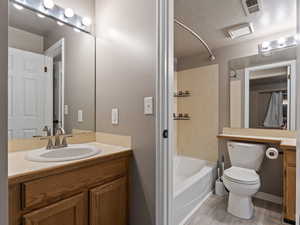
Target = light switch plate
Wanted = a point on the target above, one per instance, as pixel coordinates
(80, 116)
(148, 105)
(66, 109)
(115, 116)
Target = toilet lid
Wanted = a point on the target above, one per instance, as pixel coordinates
(241, 175)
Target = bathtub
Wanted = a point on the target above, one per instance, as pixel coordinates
(193, 182)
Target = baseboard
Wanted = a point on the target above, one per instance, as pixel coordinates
(269, 197)
(185, 220)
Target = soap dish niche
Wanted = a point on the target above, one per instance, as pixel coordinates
(179, 94)
(181, 116)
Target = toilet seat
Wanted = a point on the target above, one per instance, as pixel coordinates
(241, 176)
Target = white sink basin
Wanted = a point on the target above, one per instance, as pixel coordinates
(72, 152)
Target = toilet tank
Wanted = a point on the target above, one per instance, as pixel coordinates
(246, 155)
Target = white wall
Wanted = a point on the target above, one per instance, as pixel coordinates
(298, 120)
(24, 40)
(3, 112)
(126, 54)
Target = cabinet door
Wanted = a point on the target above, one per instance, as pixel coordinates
(108, 204)
(72, 211)
(290, 199)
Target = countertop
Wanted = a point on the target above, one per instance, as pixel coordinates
(19, 167)
(281, 141)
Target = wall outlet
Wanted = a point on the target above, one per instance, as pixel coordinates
(80, 116)
(148, 105)
(115, 116)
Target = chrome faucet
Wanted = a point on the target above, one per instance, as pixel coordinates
(47, 130)
(58, 142)
(49, 144)
(59, 132)
(57, 139)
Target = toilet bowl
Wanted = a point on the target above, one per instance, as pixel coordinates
(241, 178)
(242, 184)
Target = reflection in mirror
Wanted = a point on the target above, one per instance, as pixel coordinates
(51, 76)
(263, 91)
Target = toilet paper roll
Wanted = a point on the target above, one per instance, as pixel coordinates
(272, 153)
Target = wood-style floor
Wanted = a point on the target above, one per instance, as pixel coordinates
(213, 212)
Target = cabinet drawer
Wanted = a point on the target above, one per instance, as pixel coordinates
(46, 190)
(290, 157)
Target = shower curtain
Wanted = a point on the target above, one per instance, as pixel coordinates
(274, 117)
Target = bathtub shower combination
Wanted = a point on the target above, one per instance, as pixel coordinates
(193, 182)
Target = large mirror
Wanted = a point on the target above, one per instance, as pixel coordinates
(263, 90)
(51, 76)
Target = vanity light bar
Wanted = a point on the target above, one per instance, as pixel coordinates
(48, 8)
(268, 47)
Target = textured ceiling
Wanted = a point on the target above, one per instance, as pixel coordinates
(209, 18)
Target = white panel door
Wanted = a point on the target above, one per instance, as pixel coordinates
(28, 100)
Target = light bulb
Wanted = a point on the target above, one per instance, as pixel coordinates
(265, 45)
(281, 42)
(69, 13)
(17, 6)
(48, 4)
(76, 30)
(40, 15)
(86, 21)
(296, 39)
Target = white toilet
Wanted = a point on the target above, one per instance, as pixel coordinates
(241, 179)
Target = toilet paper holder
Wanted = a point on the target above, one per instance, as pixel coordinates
(280, 152)
(273, 152)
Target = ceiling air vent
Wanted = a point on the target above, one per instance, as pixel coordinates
(240, 30)
(252, 6)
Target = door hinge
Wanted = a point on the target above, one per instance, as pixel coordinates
(165, 133)
(285, 172)
(289, 72)
(45, 69)
(284, 209)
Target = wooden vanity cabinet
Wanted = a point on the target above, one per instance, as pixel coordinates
(71, 211)
(289, 182)
(95, 194)
(108, 204)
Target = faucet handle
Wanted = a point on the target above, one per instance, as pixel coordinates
(64, 142)
(60, 131)
(50, 143)
(47, 130)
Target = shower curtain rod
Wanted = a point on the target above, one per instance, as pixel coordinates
(211, 55)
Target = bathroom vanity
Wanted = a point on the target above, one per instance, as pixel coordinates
(289, 180)
(93, 191)
(52, 81)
